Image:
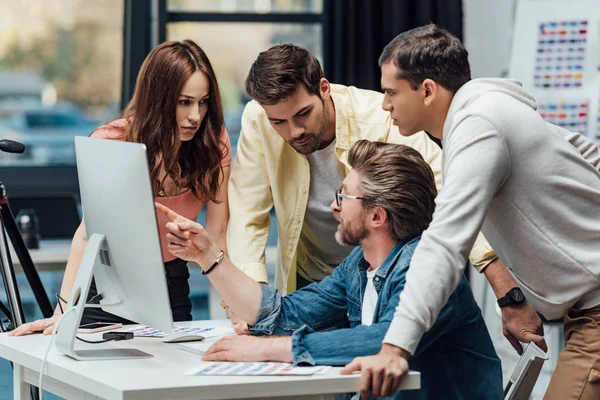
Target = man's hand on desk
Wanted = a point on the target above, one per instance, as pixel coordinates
(382, 373)
(45, 325)
(251, 348)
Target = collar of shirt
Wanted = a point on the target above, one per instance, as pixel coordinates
(388, 265)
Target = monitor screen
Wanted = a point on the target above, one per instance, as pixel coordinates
(117, 202)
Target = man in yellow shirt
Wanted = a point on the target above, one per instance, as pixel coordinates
(292, 155)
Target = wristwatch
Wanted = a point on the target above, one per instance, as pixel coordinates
(513, 296)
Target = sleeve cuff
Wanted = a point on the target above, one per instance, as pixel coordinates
(300, 354)
(482, 253)
(404, 333)
(270, 307)
(256, 271)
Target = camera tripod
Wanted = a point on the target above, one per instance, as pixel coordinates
(10, 231)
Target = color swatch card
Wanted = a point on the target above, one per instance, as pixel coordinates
(146, 331)
(570, 115)
(560, 54)
(255, 368)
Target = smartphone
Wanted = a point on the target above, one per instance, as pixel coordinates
(95, 327)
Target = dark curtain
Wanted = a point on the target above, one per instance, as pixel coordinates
(137, 20)
(356, 31)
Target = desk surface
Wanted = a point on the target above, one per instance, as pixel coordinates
(52, 255)
(162, 376)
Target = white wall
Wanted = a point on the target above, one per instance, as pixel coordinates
(488, 28)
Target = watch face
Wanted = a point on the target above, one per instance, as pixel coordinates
(516, 295)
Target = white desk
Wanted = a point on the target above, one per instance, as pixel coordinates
(160, 377)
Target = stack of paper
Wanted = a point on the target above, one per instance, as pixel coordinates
(255, 368)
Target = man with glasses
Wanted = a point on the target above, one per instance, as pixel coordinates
(385, 203)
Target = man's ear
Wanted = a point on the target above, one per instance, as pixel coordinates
(325, 89)
(379, 217)
(430, 91)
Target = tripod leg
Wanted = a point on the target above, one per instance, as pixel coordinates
(10, 283)
(35, 393)
(26, 262)
(6, 312)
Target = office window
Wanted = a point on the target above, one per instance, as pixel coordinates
(253, 6)
(60, 75)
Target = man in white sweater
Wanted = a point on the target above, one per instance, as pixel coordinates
(533, 189)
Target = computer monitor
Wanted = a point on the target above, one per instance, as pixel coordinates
(123, 252)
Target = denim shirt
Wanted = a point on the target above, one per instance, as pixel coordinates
(456, 357)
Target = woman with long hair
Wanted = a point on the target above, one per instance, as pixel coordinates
(176, 113)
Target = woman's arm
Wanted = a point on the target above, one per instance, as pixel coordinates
(217, 214)
(46, 325)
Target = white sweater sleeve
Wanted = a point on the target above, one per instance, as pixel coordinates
(587, 148)
(476, 165)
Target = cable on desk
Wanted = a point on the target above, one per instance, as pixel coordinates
(59, 299)
(94, 341)
(54, 330)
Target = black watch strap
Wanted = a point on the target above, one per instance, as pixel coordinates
(504, 301)
(513, 296)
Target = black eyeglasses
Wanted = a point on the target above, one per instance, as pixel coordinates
(339, 196)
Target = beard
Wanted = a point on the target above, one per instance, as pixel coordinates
(346, 235)
(316, 138)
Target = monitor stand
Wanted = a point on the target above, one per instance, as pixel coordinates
(66, 336)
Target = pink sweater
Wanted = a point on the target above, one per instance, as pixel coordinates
(186, 203)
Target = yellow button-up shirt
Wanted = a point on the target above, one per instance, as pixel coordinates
(267, 172)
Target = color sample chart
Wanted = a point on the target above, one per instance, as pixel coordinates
(570, 115)
(560, 54)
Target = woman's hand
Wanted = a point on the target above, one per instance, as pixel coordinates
(45, 325)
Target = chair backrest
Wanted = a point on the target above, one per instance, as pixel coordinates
(521, 382)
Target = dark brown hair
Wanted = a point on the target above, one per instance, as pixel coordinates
(152, 120)
(277, 73)
(429, 52)
(396, 178)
